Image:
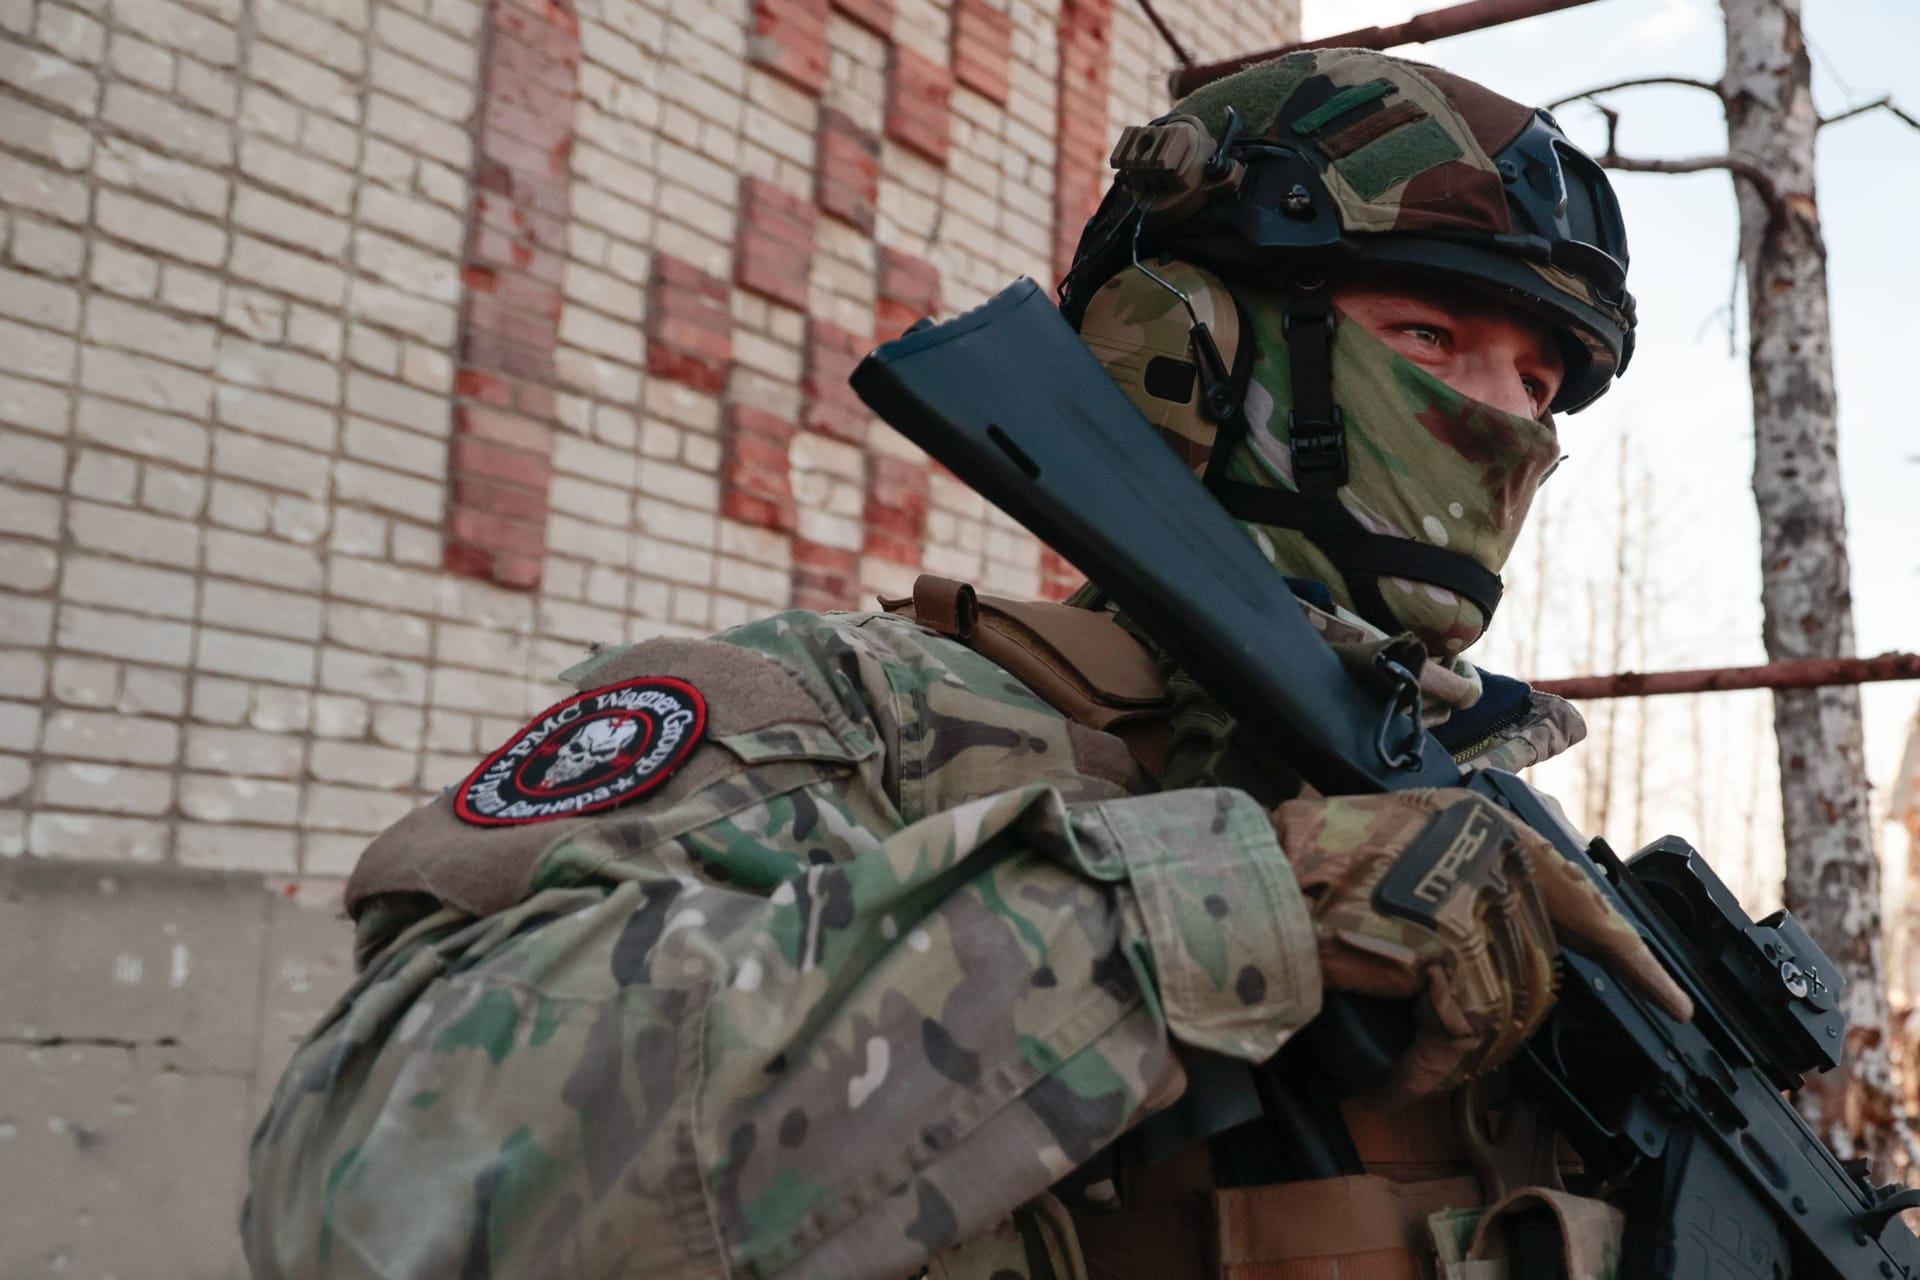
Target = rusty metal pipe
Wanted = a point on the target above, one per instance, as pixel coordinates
(1795, 673)
(1455, 20)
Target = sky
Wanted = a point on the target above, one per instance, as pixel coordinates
(1684, 413)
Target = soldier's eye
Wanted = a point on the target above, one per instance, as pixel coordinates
(1429, 334)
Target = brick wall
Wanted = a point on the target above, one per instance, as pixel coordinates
(361, 361)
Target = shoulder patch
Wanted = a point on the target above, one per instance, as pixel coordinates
(591, 752)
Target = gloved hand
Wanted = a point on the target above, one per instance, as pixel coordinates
(1439, 896)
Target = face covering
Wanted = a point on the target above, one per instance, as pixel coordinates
(1424, 462)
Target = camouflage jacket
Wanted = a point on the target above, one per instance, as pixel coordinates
(895, 949)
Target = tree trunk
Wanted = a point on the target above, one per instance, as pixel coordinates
(1832, 874)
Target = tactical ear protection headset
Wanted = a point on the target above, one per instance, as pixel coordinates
(1263, 209)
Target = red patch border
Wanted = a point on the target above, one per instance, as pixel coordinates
(695, 699)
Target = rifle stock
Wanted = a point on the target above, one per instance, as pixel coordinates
(1720, 1174)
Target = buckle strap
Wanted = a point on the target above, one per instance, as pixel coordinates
(1316, 429)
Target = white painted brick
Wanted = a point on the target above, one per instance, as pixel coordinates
(217, 847)
(399, 726)
(48, 249)
(19, 726)
(442, 185)
(255, 314)
(416, 271)
(224, 798)
(146, 382)
(338, 716)
(30, 514)
(427, 367)
(160, 229)
(298, 520)
(132, 534)
(278, 369)
(332, 140)
(320, 332)
(404, 311)
(289, 223)
(123, 635)
(179, 28)
(363, 764)
(38, 301)
(107, 477)
(122, 271)
(389, 490)
(142, 329)
(375, 676)
(254, 657)
(218, 701)
(296, 174)
(267, 560)
(23, 674)
(33, 187)
(214, 92)
(351, 14)
(295, 28)
(398, 403)
(407, 450)
(450, 731)
(70, 33)
(475, 691)
(335, 808)
(16, 774)
(140, 431)
(106, 788)
(83, 835)
(443, 96)
(165, 124)
(304, 81)
(45, 134)
(252, 608)
(144, 691)
(423, 43)
(371, 349)
(238, 506)
(119, 584)
(388, 117)
(246, 752)
(418, 220)
(384, 162)
(288, 272)
(377, 630)
(379, 584)
(462, 17)
(27, 622)
(599, 543)
(603, 504)
(49, 78)
(281, 466)
(596, 376)
(32, 460)
(190, 187)
(86, 682)
(137, 60)
(292, 421)
(277, 710)
(482, 647)
(188, 290)
(172, 493)
(94, 735)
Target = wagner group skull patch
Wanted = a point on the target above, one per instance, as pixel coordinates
(595, 750)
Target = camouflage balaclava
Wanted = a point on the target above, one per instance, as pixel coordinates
(1199, 284)
(1425, 462)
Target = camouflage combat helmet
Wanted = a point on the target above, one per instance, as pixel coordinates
(1199, 286)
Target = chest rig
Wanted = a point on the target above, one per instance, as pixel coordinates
(1246, 1179)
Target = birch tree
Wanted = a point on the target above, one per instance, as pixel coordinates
(1832, 872)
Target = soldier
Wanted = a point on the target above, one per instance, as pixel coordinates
(856, 944)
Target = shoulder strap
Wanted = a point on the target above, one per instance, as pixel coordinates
(1079, 661)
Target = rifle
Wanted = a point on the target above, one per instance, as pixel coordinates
(1685, 1123)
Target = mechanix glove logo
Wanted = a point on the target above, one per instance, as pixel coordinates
(591, 752)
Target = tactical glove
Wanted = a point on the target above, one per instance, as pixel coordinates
(1437, 896)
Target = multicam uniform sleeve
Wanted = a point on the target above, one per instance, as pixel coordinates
(664, 1074)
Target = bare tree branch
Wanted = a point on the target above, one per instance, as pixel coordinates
(1686, 81)
(1884, 101)
(1763, 183)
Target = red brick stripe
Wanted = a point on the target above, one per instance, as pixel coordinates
(917, 92)
(755, 483)
(824, 577)
(896, 511)
(847, 176)
(498, 470)
(790, 39)
(982, 48)
(689, 327)
(907, 289)
(832, 408)
(875, 15)
(774, 250)
(1080, 141)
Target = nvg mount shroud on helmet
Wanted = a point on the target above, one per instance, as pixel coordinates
(1684, 1123)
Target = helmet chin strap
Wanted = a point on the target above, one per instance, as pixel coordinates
(1316, 433)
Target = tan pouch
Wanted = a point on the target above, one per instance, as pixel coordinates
(1079, 661)
(1363, 1227)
